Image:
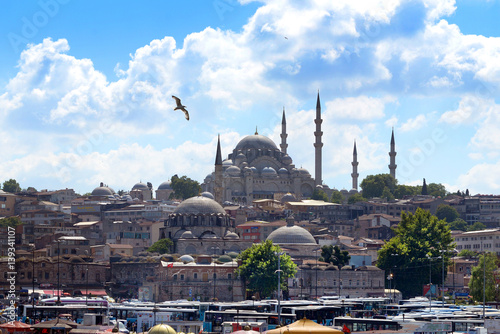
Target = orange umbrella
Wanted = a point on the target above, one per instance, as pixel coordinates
(304, 326)
(16, 326)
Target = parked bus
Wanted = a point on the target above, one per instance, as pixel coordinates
(365, 324)
(214, 319)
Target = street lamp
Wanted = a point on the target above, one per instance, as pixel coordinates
(430, 282)
(33, 278)
(389, 278)
(58, 271)
(279, 285)
(484, 279)
(214, 249)
(316, 270)
(87, 277)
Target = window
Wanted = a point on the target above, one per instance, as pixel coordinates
(182, 277)
(195, 275)
(229, 276)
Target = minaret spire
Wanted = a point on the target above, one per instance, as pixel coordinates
(284, 135)
(218, 174)
(392, 156)
(354, 164)
(318, 145)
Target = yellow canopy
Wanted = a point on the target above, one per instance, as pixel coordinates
(304, 326)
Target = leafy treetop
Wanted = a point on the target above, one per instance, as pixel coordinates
(333, 254)
(259, 264)
(416, 245)
(162, 246)
(184, 187)
(11, 186)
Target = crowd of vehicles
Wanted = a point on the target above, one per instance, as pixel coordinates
(348, 314)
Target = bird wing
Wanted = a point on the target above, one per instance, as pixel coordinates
(177, 101)
(186, 113)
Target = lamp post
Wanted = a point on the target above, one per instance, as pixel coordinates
(87, 277)
(316, 254)
(279, 285)
(33, 291)
(430, 282)
(484, 279)
(58, 272)
(389, 278)
(214, 249)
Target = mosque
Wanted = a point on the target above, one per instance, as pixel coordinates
(257, 169)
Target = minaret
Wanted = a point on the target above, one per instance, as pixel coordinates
(318, 144)
(218, 174)
(392, 155)
(354, 164)
(283, 144)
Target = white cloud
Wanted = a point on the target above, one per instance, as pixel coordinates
(360, 108)
(413, 124)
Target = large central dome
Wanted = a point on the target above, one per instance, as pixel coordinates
(199, 205)
(256, 142)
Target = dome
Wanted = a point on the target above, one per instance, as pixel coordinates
(140, 186)
(253, 169)
(227, 163)
(102, 191)
(167, 185)
(283, 170)
(225, 259)
(304, 171)
(268, 171)
(162, 329)
(291, 235)
(231, 235)
(233, 255)
(207, 194)
(233, 171)
(287, 160)
(187, 235)
(199, 205)
(186, 258)
(208, 178)
(288, 198)
(256, 142)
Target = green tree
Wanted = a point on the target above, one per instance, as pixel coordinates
(162, 246)
(417, 237)
(446, 212)
(477, 226)
(319, 195)
(424, 189)
(31, 190)
(404, 190)
(387, 195)
(333, 254)
(436, 190)
(258, 267)
(10, 221)
(458, 225)
(11, 186)
(467, 253)
(184, 187)
(373, 185)
(355, 199)
(482, 275)
(337, 197)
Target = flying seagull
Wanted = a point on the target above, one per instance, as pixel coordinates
(180, 106)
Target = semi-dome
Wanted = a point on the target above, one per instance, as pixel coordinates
(231, 235)
(140, 186)
(186, 258)
(187, 235)
(233, 171)
(291, 235)
(167, 185)
(207, 194)
(256, 142)
(268, 171)
(199, 205)
(303, 171)
(283, 170)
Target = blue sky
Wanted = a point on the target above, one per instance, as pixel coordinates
(85, 88)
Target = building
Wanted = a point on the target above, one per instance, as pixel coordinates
(7, 204)
(257, 169)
